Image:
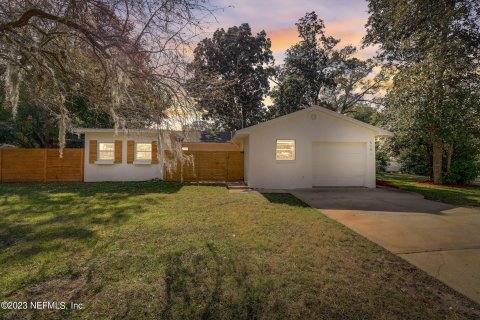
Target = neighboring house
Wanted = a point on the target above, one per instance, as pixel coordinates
(308, 148)
(7, 146)
(393, 165)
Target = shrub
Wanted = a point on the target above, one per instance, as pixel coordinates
(461, 171)
(414, 160)
(381, 161)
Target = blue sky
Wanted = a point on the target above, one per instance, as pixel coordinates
(343, 19)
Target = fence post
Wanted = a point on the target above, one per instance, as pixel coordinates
(82, 154)
(228, 165)
(45, 165)
(195, 163)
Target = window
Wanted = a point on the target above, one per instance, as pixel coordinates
(106, 150)
(144, 151)
(285, 150)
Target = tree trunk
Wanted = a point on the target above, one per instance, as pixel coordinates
(449, 156)
(429, 159)
(437, 162)
(244, 117)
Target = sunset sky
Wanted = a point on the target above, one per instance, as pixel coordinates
(344, 19)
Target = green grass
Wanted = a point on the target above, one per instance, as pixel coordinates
(165, 251)
(469, 196)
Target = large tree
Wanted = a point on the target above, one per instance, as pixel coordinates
(356, 82)
(315, 72)
(435, 47)
(125, 58)
(306, 69)
(408, 112)
(230, 77)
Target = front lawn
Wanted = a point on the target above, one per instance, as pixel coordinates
(165, 251)
(468, 195)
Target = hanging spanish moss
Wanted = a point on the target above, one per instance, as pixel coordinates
(118, 90)
(62, 128)
(129, 66)
(115, 119)
(13, 77)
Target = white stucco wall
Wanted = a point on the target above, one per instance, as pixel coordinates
(264, 171)
(121, 171)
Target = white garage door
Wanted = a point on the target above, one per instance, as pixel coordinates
(339, 164)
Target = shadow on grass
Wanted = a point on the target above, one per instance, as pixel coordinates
(47, 212)
(470, 196)
(200, 283)
(403, 177)
(284, 198)
(91, 188)
(449, 194)
(44, 225)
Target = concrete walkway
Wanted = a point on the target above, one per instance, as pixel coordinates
(441, 239)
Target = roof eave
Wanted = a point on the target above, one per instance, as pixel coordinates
(86, 130)
(240, 133)
(378, 131)
(384, 134)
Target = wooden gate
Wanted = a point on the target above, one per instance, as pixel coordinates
(207, 166)
(40, 165)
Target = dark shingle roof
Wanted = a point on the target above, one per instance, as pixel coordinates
(206, 136)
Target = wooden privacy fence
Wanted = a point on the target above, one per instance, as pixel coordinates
(40, 165)
(207, 166)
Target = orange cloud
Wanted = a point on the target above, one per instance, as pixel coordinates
(349, 31)
(282, 39)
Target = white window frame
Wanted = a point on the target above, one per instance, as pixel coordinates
(101, 160)
(142, 160)
(294, 149)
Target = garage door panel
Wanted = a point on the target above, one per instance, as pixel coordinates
(341, 161)
(338, 164)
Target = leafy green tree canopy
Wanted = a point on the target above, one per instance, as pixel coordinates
(316, 73)
(125, 57)
(35, 127)
(230, 77)
(434, 47)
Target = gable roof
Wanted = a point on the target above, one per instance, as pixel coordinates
(379, 132)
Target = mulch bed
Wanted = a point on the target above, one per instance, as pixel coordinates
(384, 183)
(463, 186)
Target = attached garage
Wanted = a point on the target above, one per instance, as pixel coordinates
(313, 147)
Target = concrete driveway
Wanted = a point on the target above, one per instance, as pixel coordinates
(441, 239)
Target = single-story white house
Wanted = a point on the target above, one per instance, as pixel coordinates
(308, 148)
